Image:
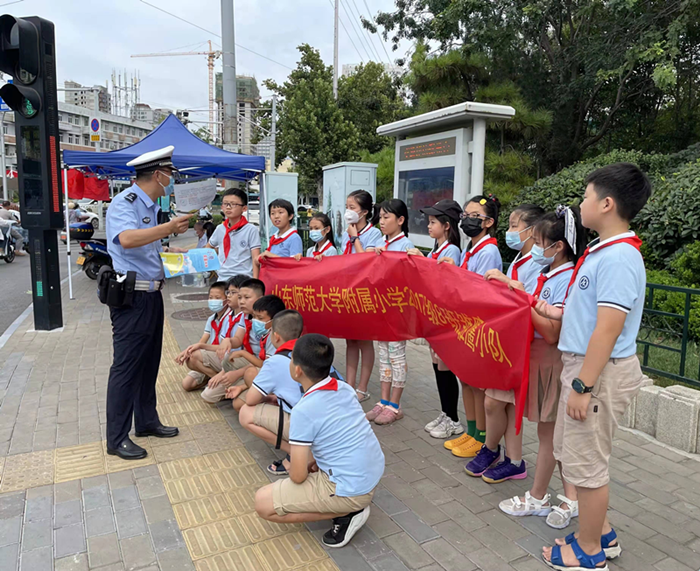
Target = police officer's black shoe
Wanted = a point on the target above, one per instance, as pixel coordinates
(160, 432)
(128, 450)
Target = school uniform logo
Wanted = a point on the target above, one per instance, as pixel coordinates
(146, 220)
(244, 244)
(546, 292)
(584, 282)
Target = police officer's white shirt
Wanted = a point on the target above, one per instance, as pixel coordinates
(133, 209)
(240, 258)
(612, 277)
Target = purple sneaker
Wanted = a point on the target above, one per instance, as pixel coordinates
(505, 470)
(483, 460)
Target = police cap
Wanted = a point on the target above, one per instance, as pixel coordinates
(154, 160)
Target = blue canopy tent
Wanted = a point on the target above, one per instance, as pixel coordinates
(193, 157)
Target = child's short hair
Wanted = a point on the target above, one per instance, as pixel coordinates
(236, 281)
(529, 213)
(552, 227)
(288, 324)
(270, 304)
(398, 208)
(492, 207)
(314, 353)
(218, 285)
(256, 285)
(626, 184)
(281, 203)
(238, 192)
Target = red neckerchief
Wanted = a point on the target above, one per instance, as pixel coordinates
(436, 253)
(279, 239)
(480, 246)
(263, 342)
(287, 346)
(319, 253)
(233, 319)
(542, 278)
(632, 240)
(394, 239)
(216, 329)
(329, 384)
(246, 338)
(516, 265)
(349, 245)
(227, 238)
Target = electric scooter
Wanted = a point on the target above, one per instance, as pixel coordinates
(93, 257)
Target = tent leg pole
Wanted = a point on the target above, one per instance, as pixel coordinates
(70, 269)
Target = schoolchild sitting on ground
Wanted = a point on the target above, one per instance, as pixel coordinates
(286, 243)
(232, 371)
(264, 310)
(336, 460)
(213, 330)
(601, 375)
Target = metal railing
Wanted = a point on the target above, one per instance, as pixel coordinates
(664, 343)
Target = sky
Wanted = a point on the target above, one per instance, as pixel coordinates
(95, 36)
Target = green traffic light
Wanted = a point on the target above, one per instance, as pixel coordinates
(27, 108)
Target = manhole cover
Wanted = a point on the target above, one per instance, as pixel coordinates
(193, 297)
(199, 314)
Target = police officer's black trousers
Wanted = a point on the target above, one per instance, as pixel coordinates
(138, 340)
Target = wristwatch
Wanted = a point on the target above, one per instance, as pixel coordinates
(580, 387)
(353, 238)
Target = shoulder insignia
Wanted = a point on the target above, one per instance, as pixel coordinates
(131, 197)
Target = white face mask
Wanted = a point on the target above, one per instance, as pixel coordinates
(351, 217)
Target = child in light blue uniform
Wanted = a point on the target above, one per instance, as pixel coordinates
(361, 216)
(393, 221)
(601, 372)
(519, 237)
(286, 243)
(321, 234)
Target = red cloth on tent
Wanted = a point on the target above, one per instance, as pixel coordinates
(96, 189)
(76, 184)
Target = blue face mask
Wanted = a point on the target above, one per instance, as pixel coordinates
(316, 235)
(538, 255)
(513, 239)
(170, 187)
(259, 327)
(216, 304)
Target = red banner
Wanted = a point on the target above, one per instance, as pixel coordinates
(481, 330)
(96, 189)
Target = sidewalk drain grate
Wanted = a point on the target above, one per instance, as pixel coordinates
(192, 297)
(199, 314)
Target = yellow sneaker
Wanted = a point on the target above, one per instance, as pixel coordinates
(460, 441)
(468, 450)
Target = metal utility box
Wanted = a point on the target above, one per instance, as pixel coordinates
(276, 185)
(339, 180)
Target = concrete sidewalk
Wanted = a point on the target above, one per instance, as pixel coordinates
(66, 505)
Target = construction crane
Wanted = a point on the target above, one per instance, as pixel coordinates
(212, 55)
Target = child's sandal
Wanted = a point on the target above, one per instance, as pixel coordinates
(362, 395)
(611, 551)
(560, 517)
(277, 467)
(586, 562)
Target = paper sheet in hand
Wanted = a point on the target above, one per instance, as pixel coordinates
(192, 196)
(193, 262)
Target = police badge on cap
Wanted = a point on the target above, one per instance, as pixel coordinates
(154, 160)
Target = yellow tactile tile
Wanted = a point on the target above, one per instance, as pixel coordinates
(245, 476)
(290, 551)
(202, 511)
(184, 434)
(81, 461)
(116, 464)
(177, 450)
(183, 406)
(234, 458)
(242, 501)
(215, 436)
(183, 468)
(214, 538)
(28, 471)
(243, 559)
(184, 396)
(260, 530)
(192, 418)
(324, 565)
(192, 488)
(2, 468)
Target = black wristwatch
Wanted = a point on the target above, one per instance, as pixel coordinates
(353, 238)
(580, 387)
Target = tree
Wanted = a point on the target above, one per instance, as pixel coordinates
(311, 127)
(204, 134)
(384, 159)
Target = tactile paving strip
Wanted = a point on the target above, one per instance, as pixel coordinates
(183, 435)
(116, 464)
(199, 512)
(259, 529)
(245, 476)
(81, 461)
(242, 501)
(214, 440)
(226, 459)
(290, 551)
(192, 488)
(244, 558)
(177, 451)
(183, 468)
(216, 537)
(28, 471)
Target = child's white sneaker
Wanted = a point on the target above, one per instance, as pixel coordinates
(531, 506)
(432, 425)
(560, 517)
(447, 428)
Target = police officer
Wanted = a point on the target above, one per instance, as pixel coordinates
(133, 241)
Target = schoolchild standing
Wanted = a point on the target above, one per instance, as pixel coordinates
(321, 234)
(519, 237)
(361, 216)
(286, 243)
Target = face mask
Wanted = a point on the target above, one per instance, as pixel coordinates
(170, 187)
(471, 226)
(259, 327)
(316, 235)
(216, 304)
(351, 217)
(538, 256)
(513, 239)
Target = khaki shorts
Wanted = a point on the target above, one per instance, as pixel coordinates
(316, 494)
(584, 447)
(209, 359)
(199, 378)
(268, 416)
(218, 393)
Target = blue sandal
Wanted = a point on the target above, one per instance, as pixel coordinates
(611, 551)
(586, 562)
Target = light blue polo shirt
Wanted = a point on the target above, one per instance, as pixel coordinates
(370, 237)
(270, 348)
(240, 258)
(274, 378)
(208, 328)
(488, 258)
(132, 209)
(447, 250)
(403, 244)
(527, 273)
(609, 277)
(254, 339)
(330, 420)
(290, 247)
(554, 289)
(331, 251)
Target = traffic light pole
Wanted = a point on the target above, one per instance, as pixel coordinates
(46, 279)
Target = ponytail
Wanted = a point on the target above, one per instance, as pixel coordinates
(364, 200)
